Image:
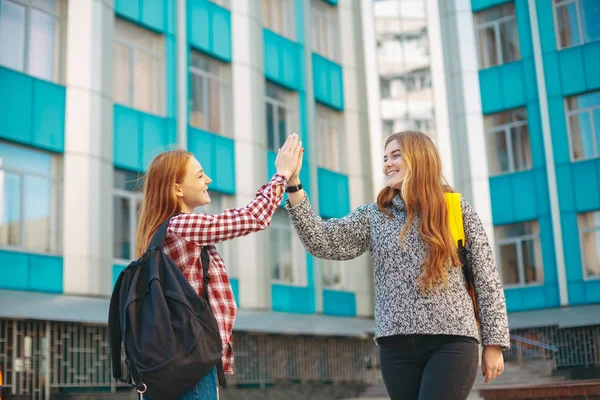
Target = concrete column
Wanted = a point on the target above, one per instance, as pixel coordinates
(88, 166)
(249, 133)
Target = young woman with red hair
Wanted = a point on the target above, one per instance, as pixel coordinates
(176, 183)
(424, 317)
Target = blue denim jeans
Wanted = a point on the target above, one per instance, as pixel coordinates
(206, 389)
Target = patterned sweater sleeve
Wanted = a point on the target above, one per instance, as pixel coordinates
(488, 288)
(203, 229)
(335, 238)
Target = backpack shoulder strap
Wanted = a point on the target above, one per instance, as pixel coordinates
(455, 218)
(161, 232)
(114, 323)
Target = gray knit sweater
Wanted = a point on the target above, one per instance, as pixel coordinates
(400, 308)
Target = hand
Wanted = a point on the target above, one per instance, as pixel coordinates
(287, 156)
(295, 178)
(492, 362)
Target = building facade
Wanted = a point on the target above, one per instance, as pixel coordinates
(92, 90)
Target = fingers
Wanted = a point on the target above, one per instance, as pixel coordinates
(492, 371)
(290, 143)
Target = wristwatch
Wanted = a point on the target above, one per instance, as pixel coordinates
(292, 189)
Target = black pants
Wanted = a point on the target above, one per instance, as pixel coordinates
(428, 367)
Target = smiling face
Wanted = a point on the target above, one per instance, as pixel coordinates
(394, 166)
(192, 191)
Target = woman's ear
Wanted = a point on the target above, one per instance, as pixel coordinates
(177, 190)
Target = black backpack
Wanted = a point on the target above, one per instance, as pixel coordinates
(170, 334)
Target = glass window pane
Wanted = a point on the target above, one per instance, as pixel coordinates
(127, 180)
(568, 27)
(498, 153)
(591, 253)
(216, 104)
(25, 160)
(509, 37)
(122, 246)
(282, 126)
(12, 35)
(122, 75)
(488, 47)
(532, 260)
(521, 148)
(37, 219)
(584, 101)
(591, 19)
(10, 208)
(266, 7)
(199, 61)
(582, 136)
(57, 7)
(509, 264)
(144, 91)
(197, 106)
(43, 40)
(271, 128)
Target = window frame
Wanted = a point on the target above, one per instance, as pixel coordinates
(60, 59)
(224, 85)
(328, 40)
(289, 21)
(288, 104)
(327, 119)
(334, 266)
(506, 130)
(499, 45)
(579, 111)
(280, 228)
(133, 197)
(519, 241)
(55, 218)
(160, 59)
(583, 231)
(580, 25)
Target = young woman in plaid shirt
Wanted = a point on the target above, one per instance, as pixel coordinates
(176, 183)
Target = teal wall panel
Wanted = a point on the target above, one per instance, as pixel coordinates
(541, 190)
(548, 255)
(524, 28)
(479, 5)
(138, 137)
(328, 82)
(571, 70)
(525, 198)
(153, 14)
(530, 80)
(48, 115)
(283, 61)
(293, 299)
(571, 247)
(585, 183)
(564, 184)
(513, 85)
(235, 287)
(14, 268)
(216, 154)
(25, 271)
(116, 270)
(552, 74)
(576, 293)
(32, 111)
(591, 60)
(332, 2)
(536, 137)
(491, 90)
(157, 15)
(558, 127)
(45, 274)
(334, 194)
(339, 303)
(514, 299)
(502, 201)
(129, 9)
(534, 298)
(592, 291)
(546, 26)
(209, 28)
(552, 296)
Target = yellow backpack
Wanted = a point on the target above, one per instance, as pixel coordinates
(455, 220)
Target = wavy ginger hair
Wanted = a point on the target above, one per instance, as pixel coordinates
(423, 191)
(160, 201)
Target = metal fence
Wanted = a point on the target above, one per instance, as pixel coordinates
(42, 357)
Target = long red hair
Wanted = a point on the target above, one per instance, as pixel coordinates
(160, 201)
(423, 191)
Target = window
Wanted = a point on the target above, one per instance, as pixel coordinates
(32, 37)
(577, 22)
(209, 93)
(127, 200)
(330, 127)
(279, 17)
(281, 116)
(280, 246)
(520, 253)
(139, 59)
(589, 237)
(325, 30)
(30, 199)
(333, 277)
(583, 115)
(509, 149)
(497, 35)
(222, 3)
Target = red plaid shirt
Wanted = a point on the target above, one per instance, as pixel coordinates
(189, 232)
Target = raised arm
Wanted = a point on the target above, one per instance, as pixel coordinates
(488, 288)
(333, 239)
